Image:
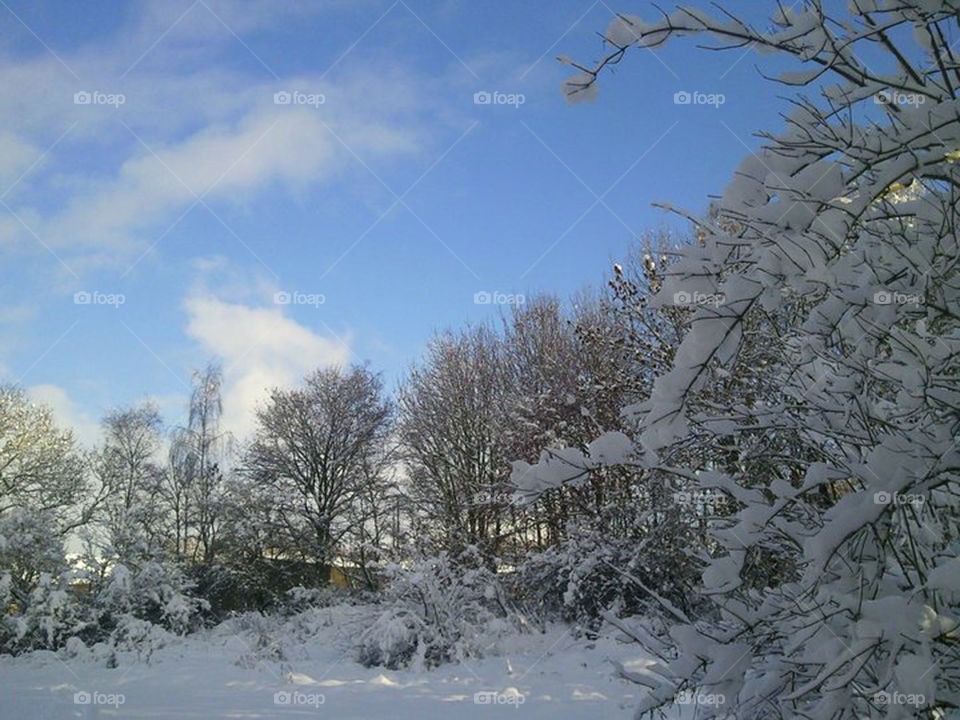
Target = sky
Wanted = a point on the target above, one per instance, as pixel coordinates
(286, 186)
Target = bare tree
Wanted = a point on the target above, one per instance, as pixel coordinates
(176, 491)
(127, 467)
(312, 457)
(451, 427)
(195, 484)
(374, 519)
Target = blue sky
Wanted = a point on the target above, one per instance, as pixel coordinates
(199, 198)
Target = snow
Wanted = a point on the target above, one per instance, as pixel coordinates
(843, 228)
(946, 576)
(210, 675)
(821, 597)
(565, 466)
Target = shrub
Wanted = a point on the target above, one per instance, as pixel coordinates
(440, 609)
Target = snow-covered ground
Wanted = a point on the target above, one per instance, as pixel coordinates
(302, 667)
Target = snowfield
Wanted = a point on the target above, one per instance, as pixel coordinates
(253, 667)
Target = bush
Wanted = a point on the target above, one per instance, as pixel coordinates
(142, 637)
(589, 575)
(156, 592)
(300, 599)
(46, 618)
(440, 609)
(38, 608)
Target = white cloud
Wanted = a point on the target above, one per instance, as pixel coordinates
(208, 125)
(289, 147)
(201, 112)
(66, 413)
(260, 348)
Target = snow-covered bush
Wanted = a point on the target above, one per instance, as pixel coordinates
(261, 636)
(45, 602)
(45, 619)
(592, 573)
(440, 609)
(575, 580)
(835, 580)
(29, 547)
(139, 637)
(38, 606)
(300, 599)
(236, 585)
(155, 592)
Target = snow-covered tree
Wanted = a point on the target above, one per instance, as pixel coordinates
(602, 540)
(40, 466)
(849, 216)
(376, 521)
(44, 495)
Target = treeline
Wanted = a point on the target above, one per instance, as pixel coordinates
(186, 525)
